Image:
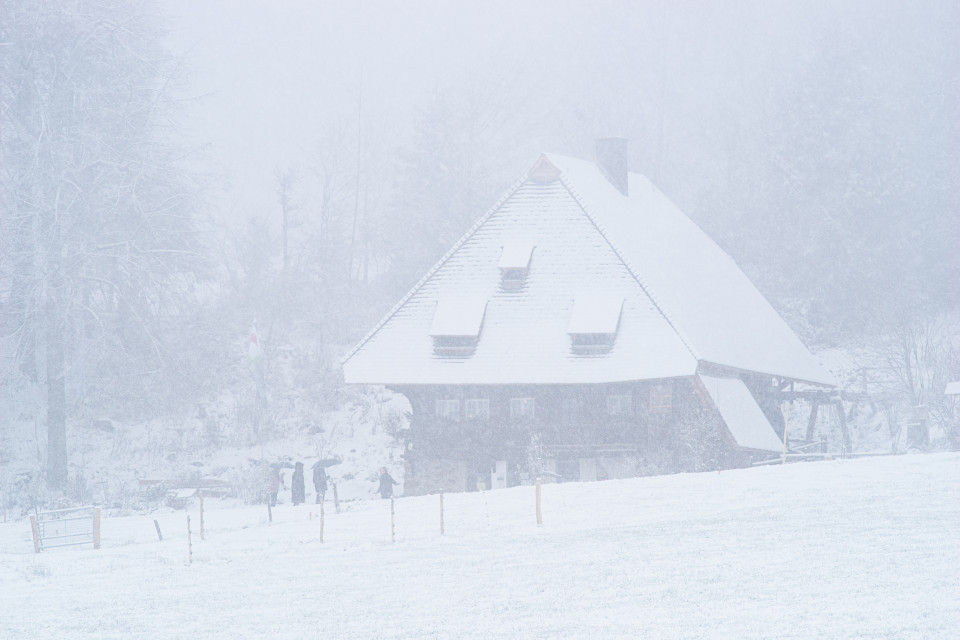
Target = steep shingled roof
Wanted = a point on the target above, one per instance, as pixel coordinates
(685, 300)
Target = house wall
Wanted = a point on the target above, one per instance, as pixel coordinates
(571, 435)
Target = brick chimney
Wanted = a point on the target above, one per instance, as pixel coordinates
(612, 160)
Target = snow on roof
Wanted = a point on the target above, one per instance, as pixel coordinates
(525, 339)
(595, 315)
(708, 300)
(683, 299)
(458, 316)
(516, 255)
(953, 388)
(741, 413)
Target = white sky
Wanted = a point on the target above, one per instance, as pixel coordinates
(272, 75)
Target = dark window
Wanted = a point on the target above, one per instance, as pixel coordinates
(620, 405)
(587, 343)
(476, 409)
(448, 409)
(661, 398)
(452, 345)
(513, 278)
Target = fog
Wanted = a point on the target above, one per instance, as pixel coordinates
(481, 248)
(828, 130)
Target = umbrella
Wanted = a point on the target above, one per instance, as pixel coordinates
(327, 462)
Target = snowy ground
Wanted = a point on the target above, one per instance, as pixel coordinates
(864, 548)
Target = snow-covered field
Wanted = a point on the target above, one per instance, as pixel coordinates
(866, 548)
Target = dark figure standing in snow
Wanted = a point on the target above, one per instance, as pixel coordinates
(386, 484)
(319, 481)
(273, 485)
(296, 485)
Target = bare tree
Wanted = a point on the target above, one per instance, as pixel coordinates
(916, 358)
(286, 183)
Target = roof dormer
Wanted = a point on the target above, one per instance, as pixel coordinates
(515, 264)
(594, 323)
(456, 325)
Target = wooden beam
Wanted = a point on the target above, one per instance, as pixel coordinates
(823, 396)
(831, 396)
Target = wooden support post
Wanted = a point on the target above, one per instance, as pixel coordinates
(96, 528)
(786, 425)
(189, 542)
(812, 423)
(392, 536)
(336, 500)
(321, 523)
(202, 537)
(157, 525)
(441, 513)
(539, 514)
(36, 534)
(843, 427)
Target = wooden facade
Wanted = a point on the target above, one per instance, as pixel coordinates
(464, 438)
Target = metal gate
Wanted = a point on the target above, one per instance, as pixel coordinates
(66, 527)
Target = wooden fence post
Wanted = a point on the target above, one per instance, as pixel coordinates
(392, 537)
(36, 534)
(157, 525)
(202, 537)
(189, 543)
(96, 527)
(441, 513)
(539, 514)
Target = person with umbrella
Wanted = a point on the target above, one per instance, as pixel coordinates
(319, 480)
(296, 486)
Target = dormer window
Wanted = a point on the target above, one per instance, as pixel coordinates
(515, 264)
(456, 325)
(594, 323)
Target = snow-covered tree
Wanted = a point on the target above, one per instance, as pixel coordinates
(98, 242)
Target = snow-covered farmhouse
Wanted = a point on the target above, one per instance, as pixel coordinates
(584, 328)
